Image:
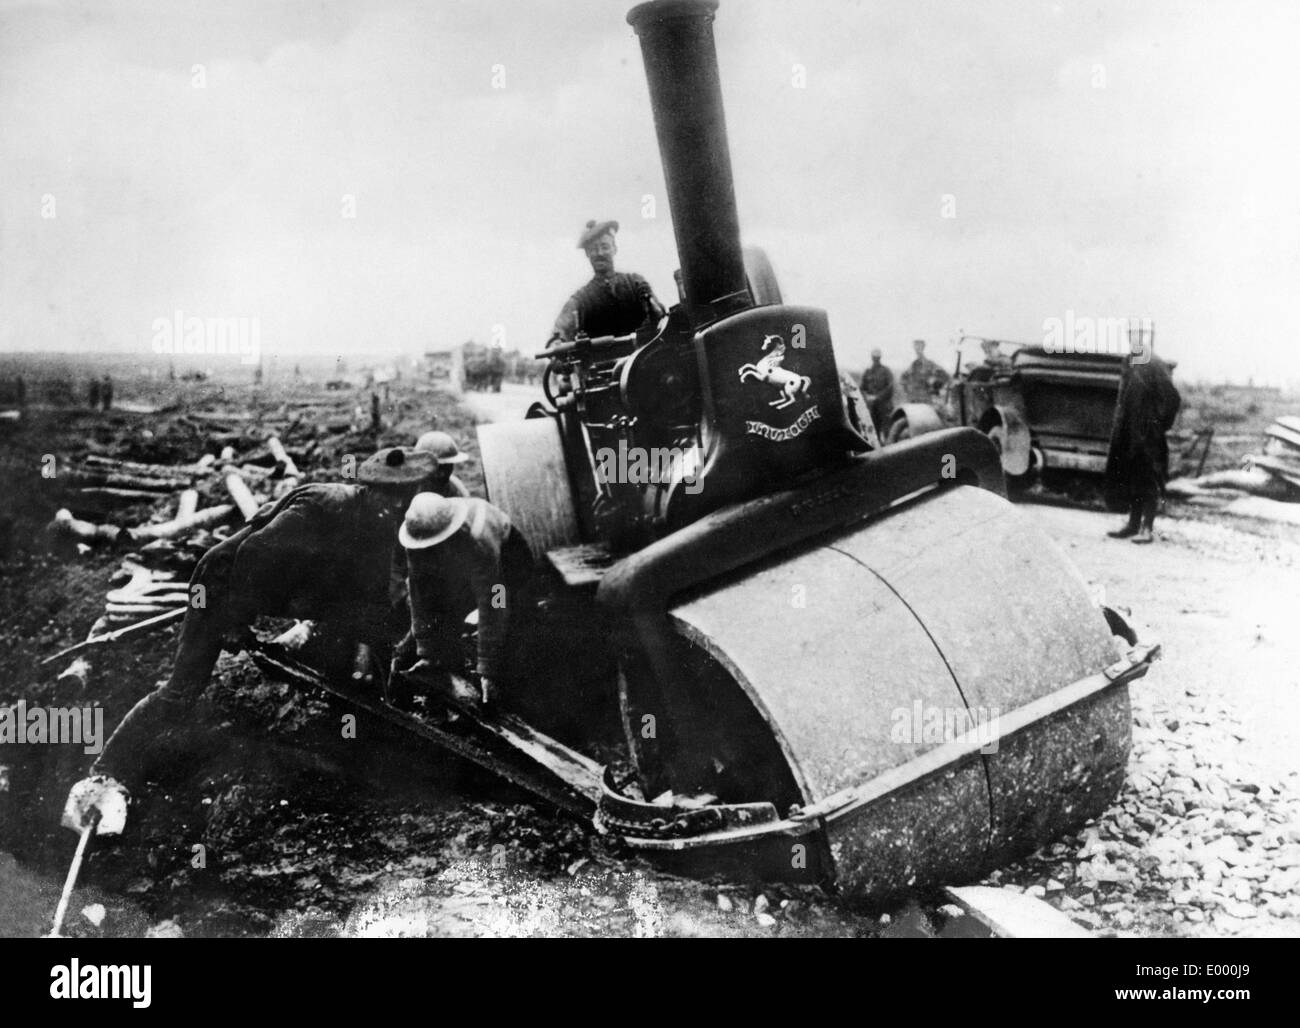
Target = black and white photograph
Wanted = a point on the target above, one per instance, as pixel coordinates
(824, 469)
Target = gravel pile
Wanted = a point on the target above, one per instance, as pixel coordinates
(1198, 843)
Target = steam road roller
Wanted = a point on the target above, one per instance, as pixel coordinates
(834, 662)
(757, 643)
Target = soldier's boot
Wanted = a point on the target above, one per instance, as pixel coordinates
(1135, 512)
(157, 739)
(1147, 535)
(437, 685)
(1147, 512)
(1128, 531)
(365, 668)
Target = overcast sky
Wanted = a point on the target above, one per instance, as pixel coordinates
(1115, 159)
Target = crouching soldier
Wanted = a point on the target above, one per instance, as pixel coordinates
(463, 557)
(322, 551)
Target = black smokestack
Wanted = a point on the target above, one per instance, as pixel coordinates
(681, 66)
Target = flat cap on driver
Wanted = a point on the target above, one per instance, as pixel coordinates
(594, 230)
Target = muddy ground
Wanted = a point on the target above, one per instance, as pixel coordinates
(281, 827)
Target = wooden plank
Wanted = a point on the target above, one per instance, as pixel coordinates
(582, 565)
(124, 495)
(507, 747)
(1285, 431)
(1265, 509)
(1014, 915)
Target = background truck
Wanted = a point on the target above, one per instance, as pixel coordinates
(1043, 411)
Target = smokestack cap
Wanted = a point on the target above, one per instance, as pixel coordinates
(664, 10)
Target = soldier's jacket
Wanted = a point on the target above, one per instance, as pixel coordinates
(878, 380)
(922, 379)
(318, 548)
(878, 384)
(331, 552)
(479, 568)
(1145, 410)
(614, 305)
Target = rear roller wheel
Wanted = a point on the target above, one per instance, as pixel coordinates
(912, 420)
(525, 474)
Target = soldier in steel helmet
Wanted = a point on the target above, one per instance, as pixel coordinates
(464, 559)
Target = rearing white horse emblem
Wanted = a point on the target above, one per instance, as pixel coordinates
(768, 369)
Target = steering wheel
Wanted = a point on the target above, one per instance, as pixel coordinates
(548, 376)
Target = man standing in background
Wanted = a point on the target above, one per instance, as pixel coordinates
(924, 379)
(878, 391)
(1138, 462)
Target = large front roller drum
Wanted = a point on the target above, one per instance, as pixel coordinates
(861, 655)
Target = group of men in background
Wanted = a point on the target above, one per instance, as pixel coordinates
(922, 382)
(1145, 410)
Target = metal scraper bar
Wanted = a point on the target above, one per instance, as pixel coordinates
(511, 749)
